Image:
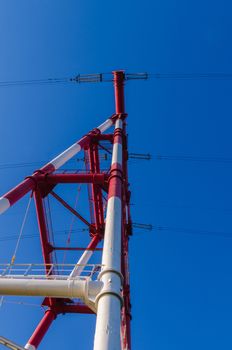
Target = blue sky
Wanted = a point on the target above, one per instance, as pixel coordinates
(181, 276)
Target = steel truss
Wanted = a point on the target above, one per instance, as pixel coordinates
(114, 228)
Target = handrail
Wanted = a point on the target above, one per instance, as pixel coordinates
(54, 271)
(10, 344)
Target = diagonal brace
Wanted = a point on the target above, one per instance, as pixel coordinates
(73, 211)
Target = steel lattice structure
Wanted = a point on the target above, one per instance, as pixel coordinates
(109, 295)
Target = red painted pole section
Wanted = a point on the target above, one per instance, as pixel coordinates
(93, 243)
(44, 238)
(73, 178)
(19, 191)
(73, 309)
(119, 91)
(98, 190)
(40, 330)
(95, 189)
(76, 248)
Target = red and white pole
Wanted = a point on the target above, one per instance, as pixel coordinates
(41, 330)
(29, 183)
(109, 301)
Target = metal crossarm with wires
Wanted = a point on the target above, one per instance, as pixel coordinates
(107, 77)
(102, 288)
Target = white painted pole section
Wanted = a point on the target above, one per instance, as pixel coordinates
(62, 158)
(30, 347)
(117, 155)
(107, 333)
(106, 125)
(81, 264)
(4, 204)
(111, 257)
(50, 288)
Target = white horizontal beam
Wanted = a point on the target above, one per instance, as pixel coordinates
(72, 288)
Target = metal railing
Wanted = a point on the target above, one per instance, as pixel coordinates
(10, 344)
(48, 271)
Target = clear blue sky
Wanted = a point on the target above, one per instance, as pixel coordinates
(180, 280)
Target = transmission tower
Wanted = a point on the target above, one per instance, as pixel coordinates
(102, 289)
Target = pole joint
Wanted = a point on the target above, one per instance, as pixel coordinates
(103, 272)
(121, 116)
(108, 292)
(110, 287)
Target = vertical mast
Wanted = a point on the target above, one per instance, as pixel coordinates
(109, 301)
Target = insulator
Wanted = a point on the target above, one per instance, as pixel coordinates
(140, 156)
(148, 227)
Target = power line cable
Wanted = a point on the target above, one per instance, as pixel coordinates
(132, 156)
(33, 235)
(194, 158)
(107, 77)
(21, 230)
(34, 82)
(189, 76)
(193, 231)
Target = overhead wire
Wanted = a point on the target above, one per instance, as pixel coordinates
(189, 76)
(193, 231)
(22, 303)
(153, 227)
(193, 158)
(19, 239)
(68, 241)
(12, 237)
(184, 230)
(21, 230)
(106, 77)
(132, 157)
(48, 220)
(4, 166)
(34, 82)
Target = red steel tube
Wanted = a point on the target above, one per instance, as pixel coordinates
(93, 243)
(98, 190)
(73, 309)
(19, 191)
(95, 189)
(41, 330)
(30, 183)
(119, 91)
(43, 229)
(76, 248)
(67, 206)
(73, 178)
